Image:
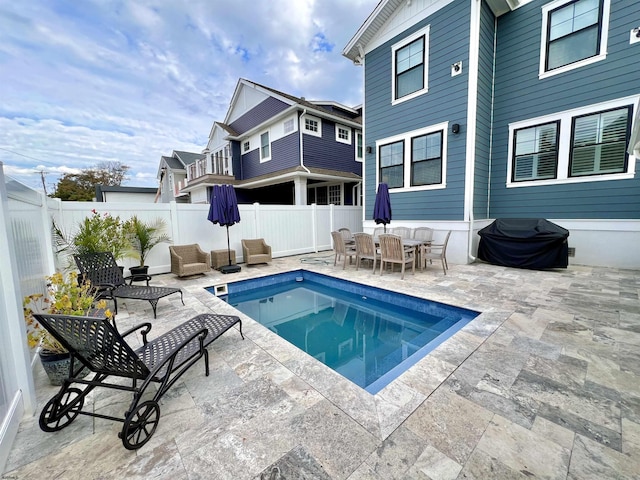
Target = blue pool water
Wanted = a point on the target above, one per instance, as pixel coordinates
(367, 334)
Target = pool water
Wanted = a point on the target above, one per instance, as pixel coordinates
(366, 334)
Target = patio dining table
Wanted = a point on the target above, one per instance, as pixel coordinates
(410, 242)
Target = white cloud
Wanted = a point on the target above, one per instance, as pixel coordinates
(134, 80)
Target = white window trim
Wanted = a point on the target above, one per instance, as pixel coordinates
(349, 134)
(564, 144)
(359, 158)
(406, 137)
(265, 159)
(311, 132)
(604, 35)
(406, 41)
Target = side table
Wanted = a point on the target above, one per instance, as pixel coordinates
(219, 258)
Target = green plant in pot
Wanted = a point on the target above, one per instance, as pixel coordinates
(143, 236)
(99, 232)
(65, 295)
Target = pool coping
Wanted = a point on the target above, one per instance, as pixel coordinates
(381, 413)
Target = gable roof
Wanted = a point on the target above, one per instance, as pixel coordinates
(187, 158)
(385, 9)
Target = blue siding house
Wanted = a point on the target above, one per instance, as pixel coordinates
(483, 109)
(276, 148)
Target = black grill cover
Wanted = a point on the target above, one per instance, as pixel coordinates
(533, 243)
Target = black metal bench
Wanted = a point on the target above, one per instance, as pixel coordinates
(104, 273)
(95, 344)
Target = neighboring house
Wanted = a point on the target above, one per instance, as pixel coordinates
(106, 193)
(172, 175)
(484, 109)
(279, 149)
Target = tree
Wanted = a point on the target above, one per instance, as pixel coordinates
(81, 187)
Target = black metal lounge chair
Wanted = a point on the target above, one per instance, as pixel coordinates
(95, 344)
(103, 272)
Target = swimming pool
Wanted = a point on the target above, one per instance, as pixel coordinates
(367, 334)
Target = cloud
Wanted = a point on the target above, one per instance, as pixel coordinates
(133, 80)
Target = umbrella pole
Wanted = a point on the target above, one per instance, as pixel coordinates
(228, 246)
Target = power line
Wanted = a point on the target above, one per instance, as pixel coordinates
(23, 155)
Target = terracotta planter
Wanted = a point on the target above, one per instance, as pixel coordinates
(56, 366)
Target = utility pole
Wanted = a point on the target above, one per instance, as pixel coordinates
(44, 186)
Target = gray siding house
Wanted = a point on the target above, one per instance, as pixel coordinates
(482, 109)
(276, 148)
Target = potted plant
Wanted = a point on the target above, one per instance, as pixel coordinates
(96, 233)
(143, 236)
(65, 295)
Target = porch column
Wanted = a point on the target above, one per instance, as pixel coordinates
(300, 190)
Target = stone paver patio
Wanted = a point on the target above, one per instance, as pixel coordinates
(543, 384)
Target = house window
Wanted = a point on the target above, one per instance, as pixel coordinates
(410, 61)
(265, 147)
(536, 152)
(359, 147)
(419, 166)
(599, 142)
(335, 194)
(426, 159)
(392, 164)
(574, 34)
(585, 144)
(288, 126)
(343, 134)
(313, 126)
(246, 146)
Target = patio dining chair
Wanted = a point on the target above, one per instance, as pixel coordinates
(346, 235)
(436, 251)
(103, 272)
(425, 235)
(342, 250)
(404, 232)
(94, 344)
(394, 252)
(366, 249)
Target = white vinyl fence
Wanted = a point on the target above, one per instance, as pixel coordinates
(289, 229)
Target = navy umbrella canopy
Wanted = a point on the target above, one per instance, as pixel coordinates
(223, 210)
(382, 206)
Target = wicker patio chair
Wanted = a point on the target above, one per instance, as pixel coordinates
(394, 252)
(255, 251)
(96, 345)
(189, 260)
(103, 272)
(342, 250)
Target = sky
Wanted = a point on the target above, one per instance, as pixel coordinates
(93, 81)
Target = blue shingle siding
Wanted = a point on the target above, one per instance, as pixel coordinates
(521, 95)
(259, 114)
(446, 100)
(284, 154)
(483, 126)
(326, 152)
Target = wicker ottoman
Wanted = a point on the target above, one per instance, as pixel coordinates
(220, 258)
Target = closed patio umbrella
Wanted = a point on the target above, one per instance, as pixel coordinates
(382, 206)
(223, 210)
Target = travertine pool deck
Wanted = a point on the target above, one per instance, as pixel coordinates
(544, 384)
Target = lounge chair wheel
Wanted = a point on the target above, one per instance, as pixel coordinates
(71, 397)
(140, 425)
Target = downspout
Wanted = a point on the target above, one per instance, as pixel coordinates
(472, 117)
(304, 112)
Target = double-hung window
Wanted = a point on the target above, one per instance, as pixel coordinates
(265, 147)
(414, 160)
(359, 147)
(574, 33)
(392, 164)
(599, 142)
(584, 144)
(536, 152)
(426, 159)
(410, 66)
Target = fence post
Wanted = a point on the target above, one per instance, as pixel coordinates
(256, 220)
(331, 214)
(314, 227)
(173, 217)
